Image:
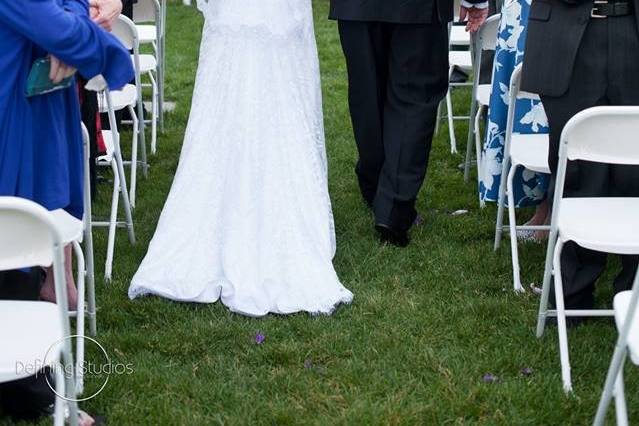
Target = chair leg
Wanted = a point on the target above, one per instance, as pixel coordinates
(478, 153)
(113, 219)
(80, 313)
(60, 403)
(562, 328)
(450, 116)
(548, 273)
(512, 223)
(621, 411)
(439, 119)
(69, 386)
(471, 133)
(154, 114)
(142, 136)
(90, 279)
(615, 372)
(124, 192)
(501, 201)
(613, 379)
(88, 245)
(161, 83)
(134, 158)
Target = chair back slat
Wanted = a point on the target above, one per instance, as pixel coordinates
(606, 134)
(125, 31)
(26, 237)
(146, 11)
(487, 34)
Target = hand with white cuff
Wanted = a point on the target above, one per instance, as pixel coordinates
(475, 13)
(105, 12)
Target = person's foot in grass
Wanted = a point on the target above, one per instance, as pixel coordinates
(84, 419)
(388, 235)
(541, 217)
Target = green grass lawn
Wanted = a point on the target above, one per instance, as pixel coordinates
(427, 322)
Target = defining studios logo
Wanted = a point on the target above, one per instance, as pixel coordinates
(91, 373)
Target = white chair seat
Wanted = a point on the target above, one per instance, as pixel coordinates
(121, 99)
(610, 225)
(71, 228)
(622, 300)
(459, 36)
(483, 94)
(29, 332)
(530, 151)
(147, 63)
(461, 59)
(146, 33)
(124, 97)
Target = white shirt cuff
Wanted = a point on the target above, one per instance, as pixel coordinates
(469, 5)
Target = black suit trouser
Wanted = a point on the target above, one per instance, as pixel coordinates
(606, 72)
(398, 74)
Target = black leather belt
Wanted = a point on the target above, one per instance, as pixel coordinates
(606, 9)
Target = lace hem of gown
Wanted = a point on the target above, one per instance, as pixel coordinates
(248, 220)
(216, 290)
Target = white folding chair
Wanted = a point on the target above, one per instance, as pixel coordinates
(603, 135)
(150, 21)
(36, 333)
(151, 64)
(462, 60)
(485, 40)
(627, 320)
(130, 96)
(520, 150)
(113, 159)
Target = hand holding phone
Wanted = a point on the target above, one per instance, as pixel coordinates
(59, 70)
(45, 77)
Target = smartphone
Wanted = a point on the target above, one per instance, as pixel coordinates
(38, 81)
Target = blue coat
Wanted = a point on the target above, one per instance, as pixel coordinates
(40, 139)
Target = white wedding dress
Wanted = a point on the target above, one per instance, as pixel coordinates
(248, 219)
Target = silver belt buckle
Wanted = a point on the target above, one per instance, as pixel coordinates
(593, 14)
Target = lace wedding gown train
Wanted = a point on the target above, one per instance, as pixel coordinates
(248, 219)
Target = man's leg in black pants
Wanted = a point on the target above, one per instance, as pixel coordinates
(598, 79)
(365, 48)
(623, 89)
(417, 82)
(581, 267)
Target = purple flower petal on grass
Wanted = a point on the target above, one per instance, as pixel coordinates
(490, 378)
(259, 338)
(526, 371)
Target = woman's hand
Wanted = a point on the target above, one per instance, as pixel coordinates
(59, 70)
(476, 17)
(105, 12)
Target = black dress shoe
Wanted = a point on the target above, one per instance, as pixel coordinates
(388, 235)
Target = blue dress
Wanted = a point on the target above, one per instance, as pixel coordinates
(529, 187)
(40, 138)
